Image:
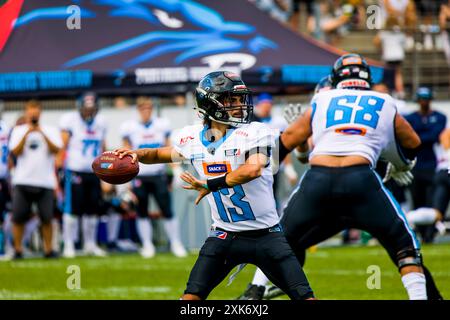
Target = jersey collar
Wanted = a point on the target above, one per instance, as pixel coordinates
(214, 144)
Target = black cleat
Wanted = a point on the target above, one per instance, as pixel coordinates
(18, 255)
(253, 292)
(51, 255)
(272, 292)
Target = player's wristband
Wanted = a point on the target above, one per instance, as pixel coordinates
(301, 155)
(215, 184)
(282, 151)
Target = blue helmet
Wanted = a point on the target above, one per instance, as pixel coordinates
(424, 93)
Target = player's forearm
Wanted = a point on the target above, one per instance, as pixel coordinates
(158, 155)
(149, 156)
(17, 151)
(244, 174)
(54, 149)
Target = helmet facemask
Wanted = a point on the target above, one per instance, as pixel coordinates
(233, 108)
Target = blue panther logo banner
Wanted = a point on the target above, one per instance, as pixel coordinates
(210, 32)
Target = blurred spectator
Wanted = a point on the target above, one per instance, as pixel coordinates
(405, 13)
(294, 19)
(278, 9)
(180, 100)
(327, 26)
(392, 42)
(428, 11)
(4, 186)
(34, 180)
(121, 103)
(444, 18)
(428, 124)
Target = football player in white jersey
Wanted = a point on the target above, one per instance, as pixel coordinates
(350, 127)
(231, 157)
(4, 186)
(83, 133)
(151, 132)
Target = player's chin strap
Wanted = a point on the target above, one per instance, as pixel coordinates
(402, 176)
(234, 274)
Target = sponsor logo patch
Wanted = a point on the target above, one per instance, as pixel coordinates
(216, 168)
(351, 131)
(351, 60)
(197, 156)
(186, 139)
(218, 234)
(232, 152)
(106, 165)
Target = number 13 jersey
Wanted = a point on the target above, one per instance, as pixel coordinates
(249, 206)
(352, 122)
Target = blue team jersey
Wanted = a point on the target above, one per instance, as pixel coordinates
(428, 127)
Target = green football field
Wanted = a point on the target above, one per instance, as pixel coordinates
(334, 273)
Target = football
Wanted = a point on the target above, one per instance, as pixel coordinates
(111, 169)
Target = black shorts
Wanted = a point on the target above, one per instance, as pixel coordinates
(82, 193)
(441, 191)
(329, 200)
(24, 196)
(5, 197)
(267, 249)
(157, 186)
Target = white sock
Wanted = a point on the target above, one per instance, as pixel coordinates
(422, 216)
(76, 229)
(93, 224)
(145, 231)
(172, 230)
(113, 226)
(68, 227)
(87, 233)
(415, 285)
(260, 278)
(7, 229)
(56, 235)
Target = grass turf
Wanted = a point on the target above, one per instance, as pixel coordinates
(334, 273)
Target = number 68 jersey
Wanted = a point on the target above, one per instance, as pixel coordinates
(85, 142)
(249, 206)
(352, 122)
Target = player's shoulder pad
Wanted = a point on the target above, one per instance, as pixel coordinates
(258, 133)
(186, 135)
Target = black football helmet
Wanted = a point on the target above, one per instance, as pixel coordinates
(213, 97)
(351, 71)
(324, 84)
(87, 105)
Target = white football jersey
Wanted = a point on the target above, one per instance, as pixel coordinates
(352, 122)
(443, 162)
(250, 206)
(151, 135)
(4, 136)
(85, 142)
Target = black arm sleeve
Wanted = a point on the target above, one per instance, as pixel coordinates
(282, 150)
(409, 154)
